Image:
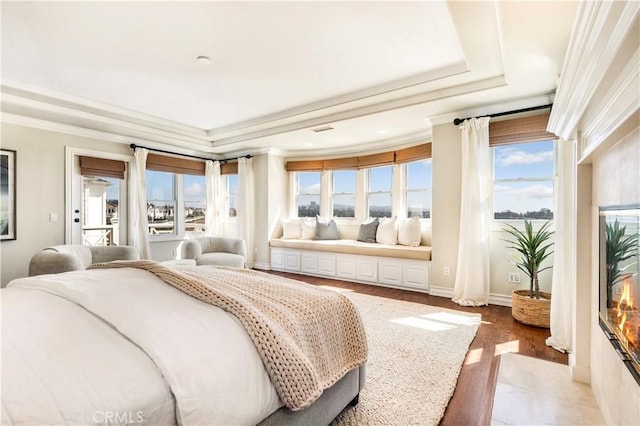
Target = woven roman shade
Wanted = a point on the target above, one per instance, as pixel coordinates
(376, 160)
(340, 163)
(164, 163)
(414, 153)
(305, 166)
(91, 166)
(526, 129)
(229, 168)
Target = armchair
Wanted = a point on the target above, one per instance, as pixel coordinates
(218, 251)
(76, 257)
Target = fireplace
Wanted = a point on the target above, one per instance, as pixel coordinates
(619, 282)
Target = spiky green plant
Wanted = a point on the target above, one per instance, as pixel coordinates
(532, 249)
(619, 249)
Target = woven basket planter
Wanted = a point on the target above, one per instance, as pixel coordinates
(530, 311)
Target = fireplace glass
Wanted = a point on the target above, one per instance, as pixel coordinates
(619, 283)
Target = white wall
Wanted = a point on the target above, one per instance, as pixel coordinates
(40, 187)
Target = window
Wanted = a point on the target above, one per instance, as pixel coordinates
(523, 180)
(231, 197)
(418, 185)
(161, 201)
(195, 203)
(308, 197)
(379, 194)
(344, 193)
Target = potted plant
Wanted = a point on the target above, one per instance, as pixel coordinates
(619, 249)
(532, 248)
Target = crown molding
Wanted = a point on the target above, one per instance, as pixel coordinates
(54, 98)
(599, 31)
(54, 126)
(416, 99)
(619, 102)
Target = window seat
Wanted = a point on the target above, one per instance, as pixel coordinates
(356, 248)
(350, 260)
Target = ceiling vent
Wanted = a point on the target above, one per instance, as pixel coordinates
(322, 129)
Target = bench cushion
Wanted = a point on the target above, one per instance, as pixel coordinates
(356, 247)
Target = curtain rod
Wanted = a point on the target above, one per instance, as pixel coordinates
(458, 121)
(134, 146)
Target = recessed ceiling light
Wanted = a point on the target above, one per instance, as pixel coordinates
(382, 132)
(308, 144)
(204, 60)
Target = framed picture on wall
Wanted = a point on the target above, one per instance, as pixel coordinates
(7, 195)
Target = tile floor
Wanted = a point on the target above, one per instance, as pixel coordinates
(532, 391)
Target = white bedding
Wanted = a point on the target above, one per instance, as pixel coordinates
(80, 345)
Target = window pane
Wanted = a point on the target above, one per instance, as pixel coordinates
(159, 185)
(308, 205)
(344, 205)
(100, 201)
(380, 205)
(525, 160)
(309, 183)
(232, 184)
(195, 203)
(419, 174)
(344, 181)
(419, 204)
(523, 200)
(160, 202)
(344, 189)
(308, 197)
(380, 179)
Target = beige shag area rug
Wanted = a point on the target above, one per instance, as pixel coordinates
(415, 356)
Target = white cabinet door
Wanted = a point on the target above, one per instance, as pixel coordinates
(309, 263)
(390, 272)
(345, 267)
(277, 259)
(292, 261)
(416, 275)
(327, 265)
(367, 270)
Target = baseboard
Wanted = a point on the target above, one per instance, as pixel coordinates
(500, 299)
(441, 291)
(262, 265)
(579, 373)
(494, 299)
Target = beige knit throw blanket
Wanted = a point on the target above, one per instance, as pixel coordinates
(307, 337)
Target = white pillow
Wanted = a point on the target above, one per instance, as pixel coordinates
(308, 229)
(387, 233)
(409, 233)
(291, 229)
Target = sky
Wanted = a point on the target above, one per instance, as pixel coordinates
(526, 160)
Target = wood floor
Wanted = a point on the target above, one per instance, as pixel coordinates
(472, 401)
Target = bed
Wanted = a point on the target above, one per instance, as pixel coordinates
(142, 343)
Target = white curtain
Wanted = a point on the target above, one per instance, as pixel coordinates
(215, 201)
(139, 226)
(563, 277)
(472, 272)
(246, 211)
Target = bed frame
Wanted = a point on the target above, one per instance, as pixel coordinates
(343, 393)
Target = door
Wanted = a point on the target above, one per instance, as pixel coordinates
(96, 199)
